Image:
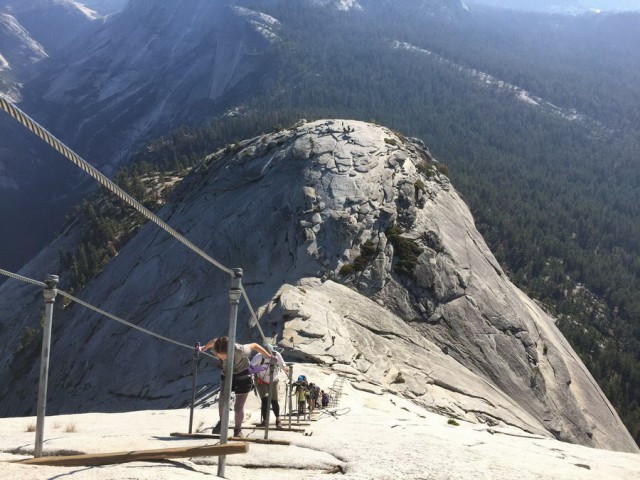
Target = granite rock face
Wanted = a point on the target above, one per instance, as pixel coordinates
(378, 351)
(44, 25)
(137, 82)
(360, 254)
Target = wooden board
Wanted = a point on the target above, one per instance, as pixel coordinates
(301, 416)
(274, 429)
(285, 422)
(285, 425)
(240, 439)
(91, 459)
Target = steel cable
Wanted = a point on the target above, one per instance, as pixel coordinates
(56, 144)
(60, 147)
(15, 276)
(100, 311)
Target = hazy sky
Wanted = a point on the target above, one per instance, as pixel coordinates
(562, 6)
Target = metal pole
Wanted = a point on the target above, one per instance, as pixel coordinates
(234, 300)
(283, 409)
(272, 367)
(286, 397)
(50, 292)
(196, 357)
(290, 393)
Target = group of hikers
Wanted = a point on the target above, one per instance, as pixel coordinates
(246, 370)
(309, 396)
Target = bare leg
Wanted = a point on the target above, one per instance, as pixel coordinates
(241, 399)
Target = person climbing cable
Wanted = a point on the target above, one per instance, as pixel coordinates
(241, 382)
(262, 377)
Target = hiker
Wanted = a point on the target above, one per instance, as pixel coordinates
(312, 397)
(262, 385)
(325, 399)
(302, 392)
(241, 383)
(318, 397)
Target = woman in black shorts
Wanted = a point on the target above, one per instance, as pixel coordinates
(241, 383)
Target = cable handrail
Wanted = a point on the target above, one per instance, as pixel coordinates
(15, 276)
(78, 161)
(60, 147)
(132, 325)
(253, 314)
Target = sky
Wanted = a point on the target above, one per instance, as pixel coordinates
(563, 6)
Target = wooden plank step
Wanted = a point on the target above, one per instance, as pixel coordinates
(273, 429)
(285, 424)
(272, 441)
(92, 459)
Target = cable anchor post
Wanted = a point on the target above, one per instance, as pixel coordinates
(235, 292)
(49, 292)
(196, 359)
(290, 393)
(272, 368)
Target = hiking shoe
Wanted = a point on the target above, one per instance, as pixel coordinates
(278, 423)
(261, 424)
(237, 433)
(216, 429)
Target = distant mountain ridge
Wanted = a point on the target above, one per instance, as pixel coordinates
(124, 95)
(20, 49)
(52, 23)
(485, 80)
